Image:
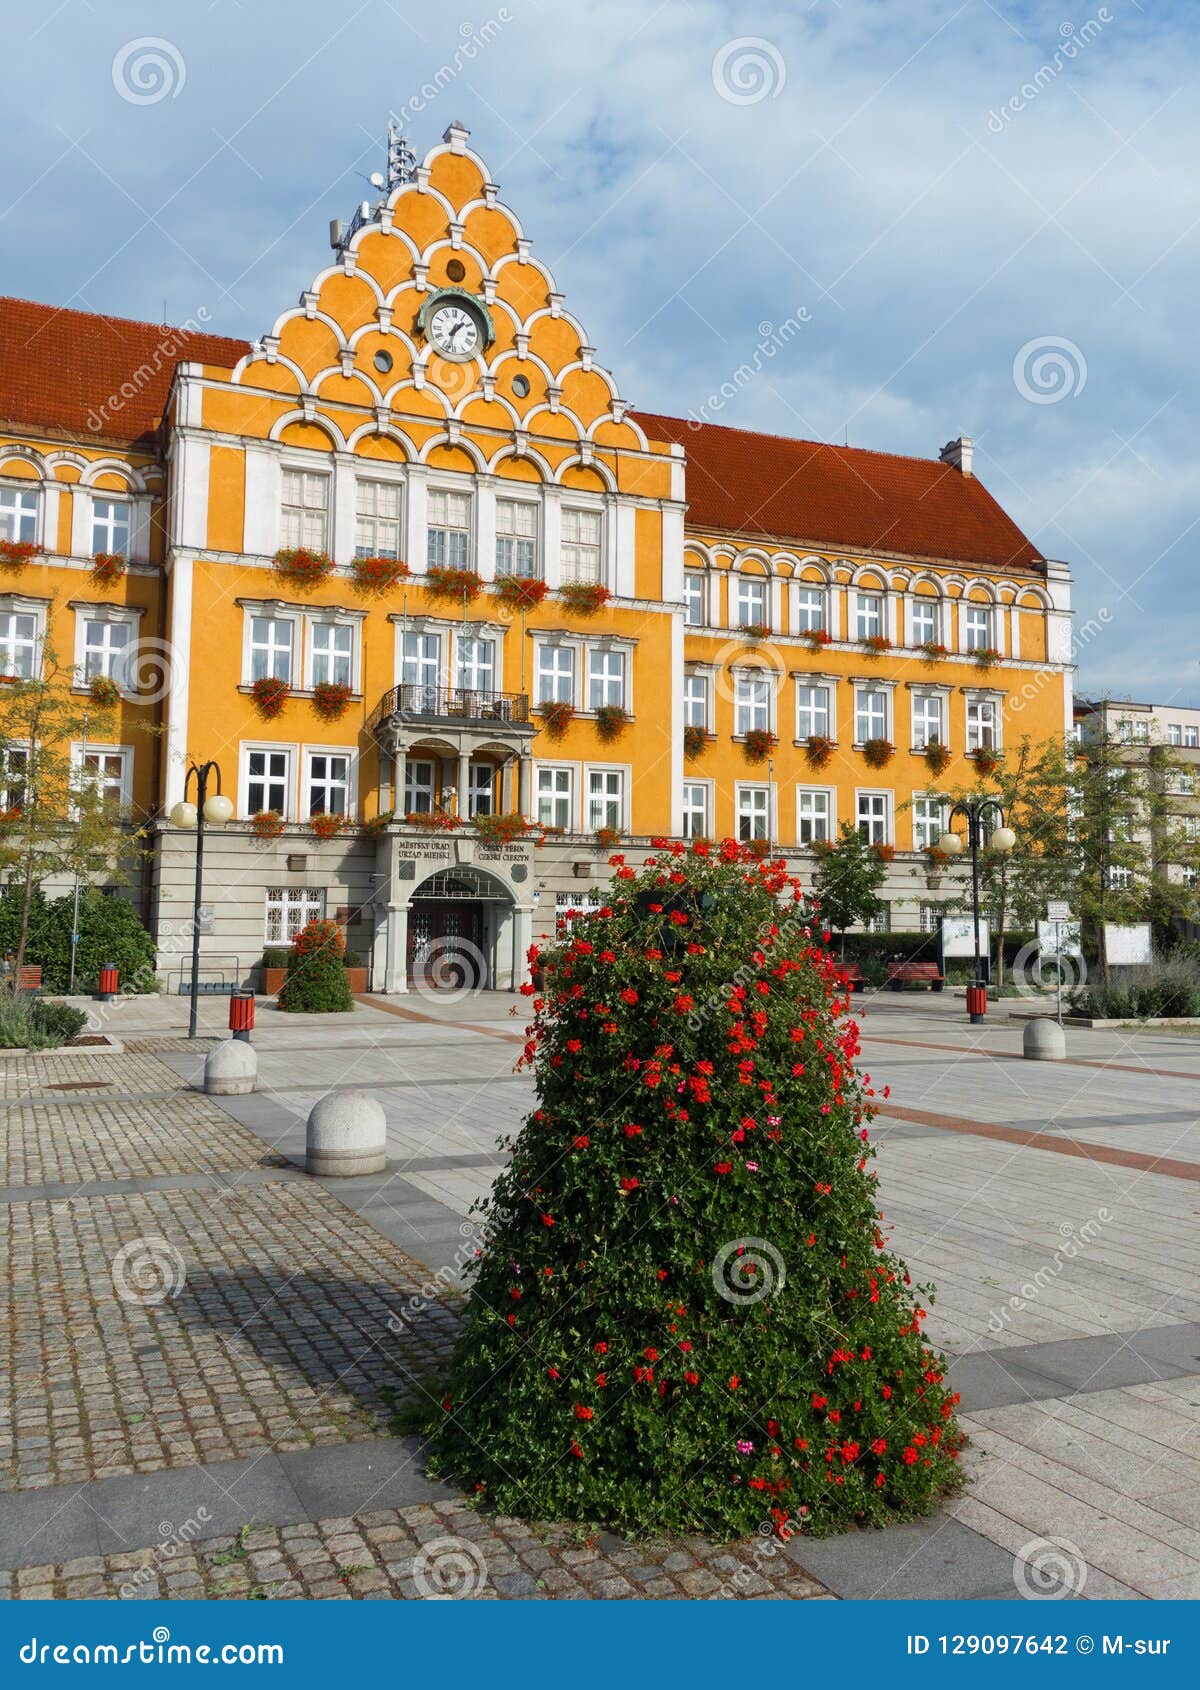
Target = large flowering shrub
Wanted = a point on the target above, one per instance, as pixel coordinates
(685, 1301)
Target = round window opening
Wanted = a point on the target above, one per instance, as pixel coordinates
(456, 270)
(383, 362)
(521, 386)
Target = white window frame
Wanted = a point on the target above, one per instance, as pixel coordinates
(975, 739)
(554, 798)
(481, 776)
(920, 636)
(277, 613)
(752, 812)
(873, 795)
(303, 532)
(813, 711)
(688, 809)
(105, 530)
(752, 587)
(867, 622)
(970, 609)
(313, 625)
(695, 596)
(468, 529)
(556, 673)
(372, 520)
(15, 515)
(253, 747)
(418, 789)
(872, 687)
(513, 539)
(920, 699)
(568, 517)
(746, 710)
(813, 821)
(606, 682)
(466, 678)
(308, 900)
(14, 605)
(608, 773)
(13, 787)
(308, 781)
(811, 617)
(697, 682)
(927, 829)
(122, 753)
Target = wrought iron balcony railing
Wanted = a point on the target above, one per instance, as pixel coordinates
(417, 702)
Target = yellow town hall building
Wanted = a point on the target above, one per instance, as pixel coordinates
(409, 561)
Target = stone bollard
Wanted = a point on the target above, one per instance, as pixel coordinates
(230, 1069)
(1045, 1041)
(347, 1134)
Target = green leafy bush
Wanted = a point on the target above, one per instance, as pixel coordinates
(276, 956)
(34, 1023)
(1169, 986)
(685, 1300)
(110, 930)
(316, 981)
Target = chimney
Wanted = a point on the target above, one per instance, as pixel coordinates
(959, 453)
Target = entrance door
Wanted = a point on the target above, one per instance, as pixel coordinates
(445, 943)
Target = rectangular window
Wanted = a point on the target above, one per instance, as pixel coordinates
(554, 797)
(881, 921)
(929, 917)
(288, 911)
(105, 772)
(18, 513)
(270, 648)
(418, 786)
(268, 777)
(304, 518)
(481, 795)
(14, 772)
(751, 601)
(982, 724)
(517, 537)
(110, 526)
(814, 817)
(606, 678)
(554, 676)
(449, 527)
(606, 798)
(1191, 738)
(929, 822)
(18, 643)
(476, 664)
(1141, 732)
(928, 719)
(581, 546)
(812, 712)
(978, 627)
(328, 783)
(868, 615)
(695, 810)
(752, 703)
(695, 701)
(106, 650)
(1174, 734)
(421, 669)
(925, 629)
(754, 812)
(333, 653)
(870, 714)
(1191, 829)
(873, 817)
(379, 509)
(810, 609)
(694, 590)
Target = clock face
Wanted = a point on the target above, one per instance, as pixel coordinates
(454, 331)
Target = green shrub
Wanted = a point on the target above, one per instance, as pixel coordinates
(685, 1300)
(110, 930)
(316, 981)
(276, 956)
(352, 959)
(1165, 987)
(33, 1023)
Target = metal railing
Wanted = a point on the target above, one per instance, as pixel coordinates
(416, 701)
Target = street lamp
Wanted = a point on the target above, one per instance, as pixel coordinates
(976, 813)
(214, 811)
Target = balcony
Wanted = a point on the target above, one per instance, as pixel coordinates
(415, 703)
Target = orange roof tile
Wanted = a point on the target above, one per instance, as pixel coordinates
(839, 497)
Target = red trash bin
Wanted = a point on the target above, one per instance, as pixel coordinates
(977, 1002)
(108, 982)
(241, 1015)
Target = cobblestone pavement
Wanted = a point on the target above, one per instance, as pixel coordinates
(429, 1550)
(24, 1076)
(78, 1141)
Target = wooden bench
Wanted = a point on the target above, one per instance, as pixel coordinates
(854, 976)
(901, 974)
(29, 977)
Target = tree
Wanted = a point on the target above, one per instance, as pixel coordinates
(54, 818)
(684, 1300)
(847, 881)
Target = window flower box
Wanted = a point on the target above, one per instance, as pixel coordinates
(754, 631)
(502, 829)
(377, 574)
(556, 714)
(986, 760)
(326, 824)
(267, 824)
(758, 744)
(378, 825)
(270, 694)
(445, 583)
(885, 853)
(933, 649)
(818, 638)
(878, 753)
(759, 848)
(818, 748)
(937, 755)
(694, 739)
(585, 598)
(611, 721)
(330, 699)
(15, 554)
(108, 568)
(521, 592)
(607, 838)
(876, 644)
(302, 566)
(433, 821)
(986, 657)
(104, 691)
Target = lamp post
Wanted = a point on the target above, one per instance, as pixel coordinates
(977, 812)
(215, 811)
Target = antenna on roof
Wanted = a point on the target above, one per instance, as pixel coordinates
(401, 160)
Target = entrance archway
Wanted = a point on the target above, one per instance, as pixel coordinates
(455, 920)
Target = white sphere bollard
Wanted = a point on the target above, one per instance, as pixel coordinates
(347, 1134)
(1045, 1041)
(230, 1069)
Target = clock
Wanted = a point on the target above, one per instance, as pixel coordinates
(456, 325)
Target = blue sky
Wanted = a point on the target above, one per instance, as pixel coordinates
(976, 217)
